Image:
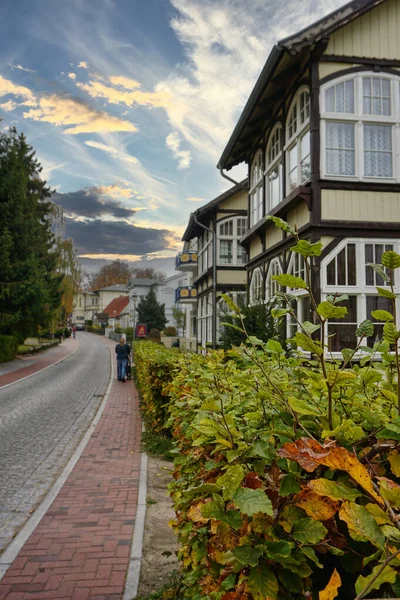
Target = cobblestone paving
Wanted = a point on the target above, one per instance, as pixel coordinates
(42, 420)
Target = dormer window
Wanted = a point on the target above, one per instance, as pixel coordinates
(298, 140)
(358, 124)
(273, 173)
(256, 189)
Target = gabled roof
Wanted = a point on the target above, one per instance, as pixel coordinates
(236, 149)
(118, 305)
(192, 229)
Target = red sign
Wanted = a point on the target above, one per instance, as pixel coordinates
(141, 330)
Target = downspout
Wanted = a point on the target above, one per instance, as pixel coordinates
(221, 170)
(214, 281)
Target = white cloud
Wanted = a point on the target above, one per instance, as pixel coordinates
(8, 106)
(83, 65)
(115, 153)
(184, 157)
(72, 76)
(8, 87)
(226, 45)
(21, 68)
(63, 110)
(194, 199)
(116, 95)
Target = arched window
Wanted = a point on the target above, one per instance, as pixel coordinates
(298, 140)
(273, 173)
(359, 133)
(256, 287)
(230, 251)
(271, 286)
(256, 189)
(347, 270)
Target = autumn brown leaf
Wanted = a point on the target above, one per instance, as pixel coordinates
(331, 590)
(317, 507)
(194, 513)
(309, 454)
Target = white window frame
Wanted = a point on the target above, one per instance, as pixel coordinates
(359, 119)
(361, 290)
(234, 238)
(204, 256)
(274, 268)
(296, 138)
(270, 166)
(256, 284)
(256, 188)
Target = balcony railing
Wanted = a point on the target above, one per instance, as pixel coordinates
(186, 294)
(186, 260)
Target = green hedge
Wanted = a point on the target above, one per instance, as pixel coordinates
(287, 468)
(154, 368)
(8, 347)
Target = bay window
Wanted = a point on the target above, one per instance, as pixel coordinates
(346, 270)
(359, 127)
(273, 166)
(256, 287)
(230, 250)
(204, 257)
(272, 286)
(256, 189)
(298, 141)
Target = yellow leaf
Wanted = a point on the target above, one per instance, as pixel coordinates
(224, 443)
(195, 514)
(317, 507)
(394, 459)
(331, 590)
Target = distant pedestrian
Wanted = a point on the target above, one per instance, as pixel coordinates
(122, 351)
(74, 331)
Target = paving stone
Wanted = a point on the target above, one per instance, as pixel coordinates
(85, 559)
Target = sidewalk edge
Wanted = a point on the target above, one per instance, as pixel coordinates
(12, 551)
(135, 561)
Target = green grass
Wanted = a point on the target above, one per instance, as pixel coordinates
(157, 444)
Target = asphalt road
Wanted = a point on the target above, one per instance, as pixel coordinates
(42, 421)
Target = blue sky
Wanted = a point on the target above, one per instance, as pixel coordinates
(129, 104)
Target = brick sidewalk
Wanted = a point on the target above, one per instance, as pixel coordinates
(41, 361)
(80, 550)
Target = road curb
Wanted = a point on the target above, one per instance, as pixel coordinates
(12, 551)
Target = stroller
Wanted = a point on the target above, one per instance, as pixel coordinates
(128, 370)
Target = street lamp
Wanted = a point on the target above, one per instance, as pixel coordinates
(115, 312)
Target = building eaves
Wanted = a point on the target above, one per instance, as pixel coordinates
(234, 153)
(191, 230)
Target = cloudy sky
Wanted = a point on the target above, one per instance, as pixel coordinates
(129, 105)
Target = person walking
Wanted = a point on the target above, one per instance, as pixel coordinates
(122, 351)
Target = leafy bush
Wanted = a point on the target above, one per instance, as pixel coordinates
(118, 330)
(129, 331)
(170, 331)
(8, 347)
(154, 365)
(67, 332)
(58, 333)
(287, 468)
(259, 322)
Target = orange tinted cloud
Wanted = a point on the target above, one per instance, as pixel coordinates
(81, 118)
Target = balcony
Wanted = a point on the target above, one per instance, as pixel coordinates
(186, 294)
(186, 261)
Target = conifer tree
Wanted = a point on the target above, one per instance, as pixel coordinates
(29, 284)
(151, 312)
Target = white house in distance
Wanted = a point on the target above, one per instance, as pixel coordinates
(87, 304)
